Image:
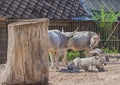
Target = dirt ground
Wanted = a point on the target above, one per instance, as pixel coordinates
(65, 77)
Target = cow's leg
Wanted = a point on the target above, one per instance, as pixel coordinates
(57, 56)
(93, 69)
(64, 60)
(87, 53)
(107, 58)
(52, 59)
(81, 53)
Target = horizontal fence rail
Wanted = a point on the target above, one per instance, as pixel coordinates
(111, 46)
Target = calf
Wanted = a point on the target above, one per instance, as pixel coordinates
(97, 52)
(92, 64)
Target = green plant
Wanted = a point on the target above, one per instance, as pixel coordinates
(110, 50)
(103, 16)
(71, 55)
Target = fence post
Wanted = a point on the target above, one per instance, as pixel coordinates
(119, 36)
(27, 58)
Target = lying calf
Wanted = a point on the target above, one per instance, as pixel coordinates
(97, 52)
(92, 64)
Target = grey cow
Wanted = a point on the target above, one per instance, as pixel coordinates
(57, 41)
(97, 52)
(92, 64)
(84, 40)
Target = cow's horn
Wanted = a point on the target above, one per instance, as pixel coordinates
(74, 31)
(62, 30)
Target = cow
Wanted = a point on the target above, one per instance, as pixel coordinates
(97, 52)
(57, 41)
(84, 40)
(91, 64)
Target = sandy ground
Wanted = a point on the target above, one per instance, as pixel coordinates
(65, 77)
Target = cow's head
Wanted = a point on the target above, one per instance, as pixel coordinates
(100, 61)
(71, 66)
(74, 65)
(101, 58)
(96, 52)
(95, 38)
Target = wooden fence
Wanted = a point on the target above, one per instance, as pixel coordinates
(112, 46)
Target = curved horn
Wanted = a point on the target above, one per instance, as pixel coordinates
(71, 34)
(62, 30)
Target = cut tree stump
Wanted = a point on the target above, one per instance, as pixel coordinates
(27, 57)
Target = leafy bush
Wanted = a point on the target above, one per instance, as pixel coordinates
(112, 50)
(71, 55)
(103, 16)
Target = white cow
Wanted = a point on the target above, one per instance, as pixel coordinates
(84, 40)
(97, 52)
(57, 41)
(92, 64)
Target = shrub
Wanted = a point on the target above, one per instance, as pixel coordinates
(71, 55)
(103, 16)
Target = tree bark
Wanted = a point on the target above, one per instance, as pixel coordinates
(27, 57)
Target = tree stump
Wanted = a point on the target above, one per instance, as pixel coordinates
(27, 57)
